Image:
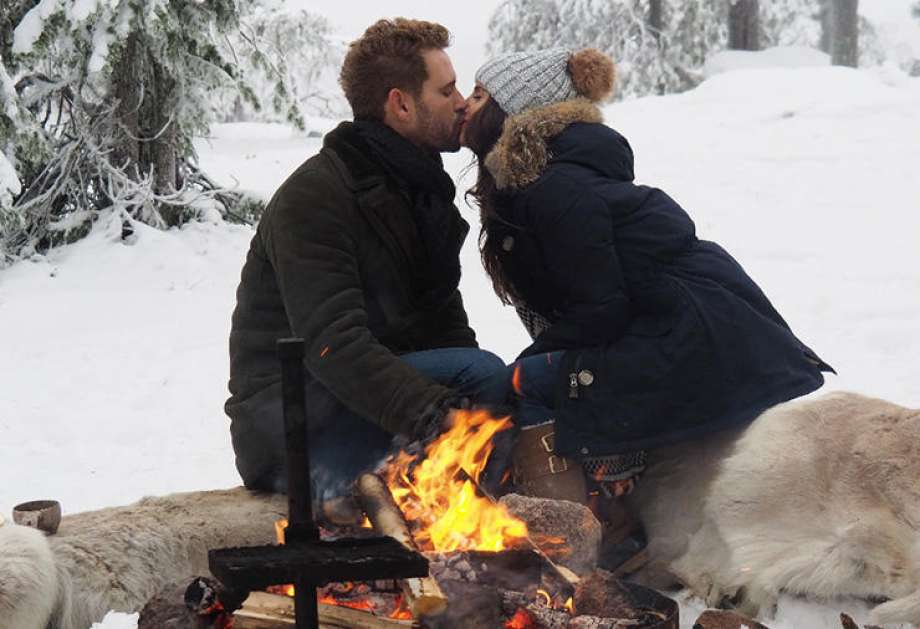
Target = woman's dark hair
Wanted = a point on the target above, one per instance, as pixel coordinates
(482, 132)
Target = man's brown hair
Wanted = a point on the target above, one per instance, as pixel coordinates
(387, 56)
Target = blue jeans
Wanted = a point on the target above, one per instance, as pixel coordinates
(535, 388)
(343, 444)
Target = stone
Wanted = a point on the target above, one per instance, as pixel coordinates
(566, 531)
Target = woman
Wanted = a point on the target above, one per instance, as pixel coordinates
(643, 335)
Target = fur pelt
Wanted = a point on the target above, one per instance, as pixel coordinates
(118, 558)
(818, 497)
(28, 582)
(521, 154)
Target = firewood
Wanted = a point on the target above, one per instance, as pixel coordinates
(602, 594)
(274, 611)
(724, 619)
(423, 595)
(265, 611)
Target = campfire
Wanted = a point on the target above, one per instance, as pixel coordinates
(439, 496)
(432, 502)
(449, 554)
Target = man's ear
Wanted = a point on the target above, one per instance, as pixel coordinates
(399, 105)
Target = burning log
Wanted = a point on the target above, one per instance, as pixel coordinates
(275, 611)
(423, 594)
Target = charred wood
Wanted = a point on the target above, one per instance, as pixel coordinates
(725, 619)
(200, 604)
(515, 569)
(471, 606)
(602, 595)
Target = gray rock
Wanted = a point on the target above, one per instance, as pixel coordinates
(576, 531)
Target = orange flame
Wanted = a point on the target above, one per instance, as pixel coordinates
(521, 620)
(438, 497)
(516, 379)
(362, 604)
(402, 611)
(280, 525)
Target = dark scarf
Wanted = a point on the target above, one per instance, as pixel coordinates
(431, 190)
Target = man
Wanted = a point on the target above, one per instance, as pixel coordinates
(358, 254)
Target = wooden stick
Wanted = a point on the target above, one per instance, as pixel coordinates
(262, 610)
(423, 595)
(275, 611)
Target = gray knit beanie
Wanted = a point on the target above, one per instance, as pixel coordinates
(523, 80)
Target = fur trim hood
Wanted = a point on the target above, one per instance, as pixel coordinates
(522, 153)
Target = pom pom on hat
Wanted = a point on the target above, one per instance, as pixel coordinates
(592, 74)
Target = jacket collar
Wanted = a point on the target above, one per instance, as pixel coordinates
(522, 153)
(352, 158)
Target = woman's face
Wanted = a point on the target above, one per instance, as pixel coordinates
(474, 103)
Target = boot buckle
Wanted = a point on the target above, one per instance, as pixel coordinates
(549, 441)
(557, 464)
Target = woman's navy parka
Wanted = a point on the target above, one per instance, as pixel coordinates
(667, 337)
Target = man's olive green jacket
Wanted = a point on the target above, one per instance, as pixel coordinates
(334, 261)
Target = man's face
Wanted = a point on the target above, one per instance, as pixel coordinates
(440, 108)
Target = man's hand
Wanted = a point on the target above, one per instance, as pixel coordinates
(435, 420)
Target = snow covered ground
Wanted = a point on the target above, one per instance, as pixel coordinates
(114, 361)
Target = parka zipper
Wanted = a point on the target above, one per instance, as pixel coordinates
(573, 386)
(573, 377)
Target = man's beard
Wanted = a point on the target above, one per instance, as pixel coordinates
(443, 137)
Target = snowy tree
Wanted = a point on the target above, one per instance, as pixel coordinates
(660, 46)
(641, 35)
(656, 16)
(790, 23)
(744, 25)
(101, 100)
(281, 50)
(844, 32)
(523, 25)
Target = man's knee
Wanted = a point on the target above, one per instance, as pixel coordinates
(486, 378)
(486, 364)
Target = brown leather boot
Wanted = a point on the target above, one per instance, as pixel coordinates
(539, 472)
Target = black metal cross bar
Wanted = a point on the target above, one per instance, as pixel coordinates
(305, 560)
